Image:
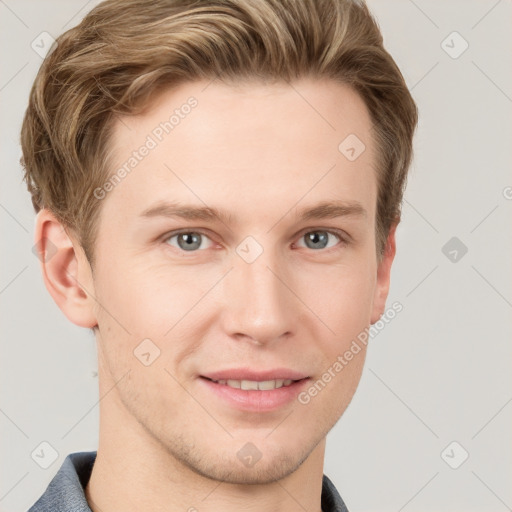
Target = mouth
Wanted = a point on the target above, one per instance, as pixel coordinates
(248, 385)
(255, 396)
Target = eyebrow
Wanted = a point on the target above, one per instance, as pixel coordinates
(323, 210)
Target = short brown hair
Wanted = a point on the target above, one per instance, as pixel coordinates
(125, 50)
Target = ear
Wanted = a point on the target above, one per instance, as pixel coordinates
(66, 271)
(383, 275)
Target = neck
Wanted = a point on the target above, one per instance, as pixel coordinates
(134, 471)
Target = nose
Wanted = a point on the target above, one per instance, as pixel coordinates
(259, 305)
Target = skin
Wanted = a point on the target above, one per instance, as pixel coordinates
(261, 152)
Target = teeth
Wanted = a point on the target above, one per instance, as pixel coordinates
(264, 385)
(248, 384)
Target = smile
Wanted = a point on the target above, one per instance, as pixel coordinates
(265, 385)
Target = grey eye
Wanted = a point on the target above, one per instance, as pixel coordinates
(188, 241)
(319, 239)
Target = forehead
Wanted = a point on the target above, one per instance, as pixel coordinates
(253, 147)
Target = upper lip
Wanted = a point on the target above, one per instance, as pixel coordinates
(255, 375)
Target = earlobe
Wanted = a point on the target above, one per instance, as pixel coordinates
(66, 271)
(384, 275)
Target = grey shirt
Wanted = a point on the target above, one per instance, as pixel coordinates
(65, 493)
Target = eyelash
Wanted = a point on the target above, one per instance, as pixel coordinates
(343, 238)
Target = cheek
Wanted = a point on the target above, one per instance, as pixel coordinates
(342, 295)
(145, 300)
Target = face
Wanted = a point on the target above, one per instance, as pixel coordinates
(251, 287)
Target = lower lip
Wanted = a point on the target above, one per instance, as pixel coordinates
(255, 400)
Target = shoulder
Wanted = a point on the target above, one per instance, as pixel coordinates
(331, 499)
(65, 493)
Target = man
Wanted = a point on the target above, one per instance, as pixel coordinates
(218, 185)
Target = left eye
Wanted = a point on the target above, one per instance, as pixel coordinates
(188, 240)
(320, 239)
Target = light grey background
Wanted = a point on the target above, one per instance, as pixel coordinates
(439, 372)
